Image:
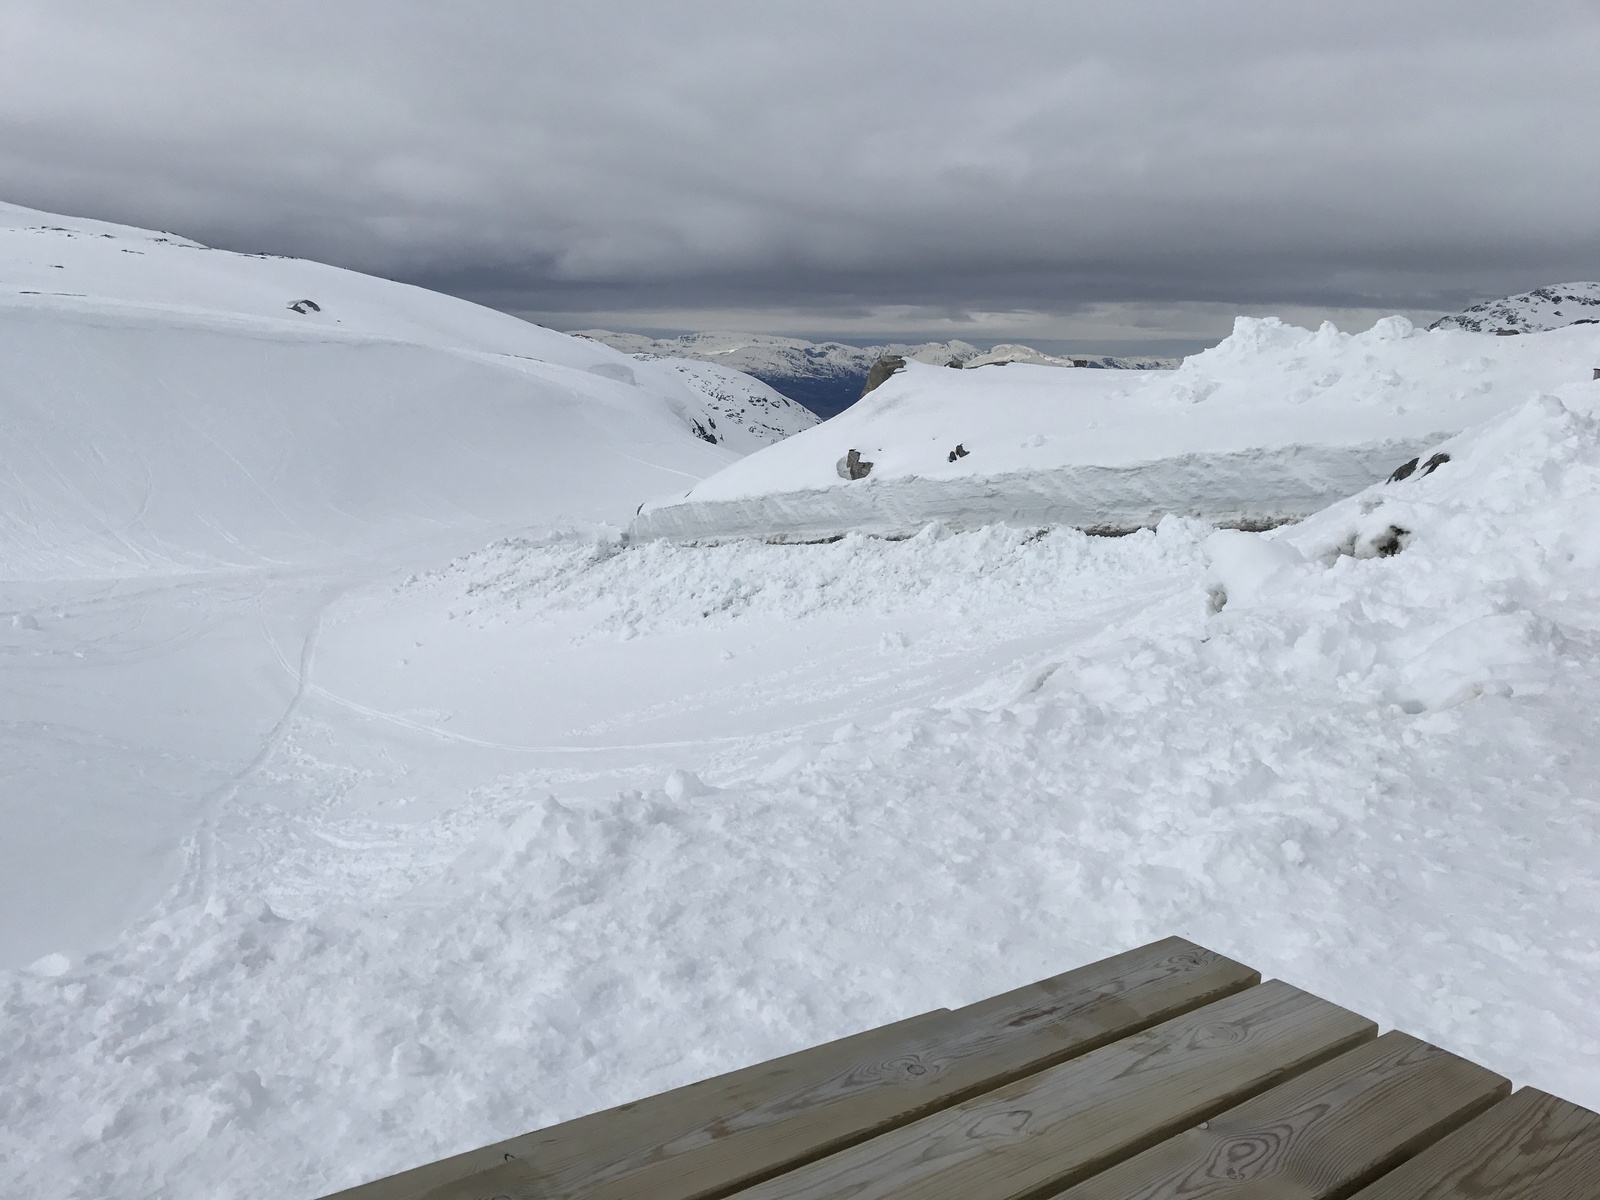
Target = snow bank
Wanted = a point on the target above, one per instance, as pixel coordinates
(167, 407)
(1270, 425)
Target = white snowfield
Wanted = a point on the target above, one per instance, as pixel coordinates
(367, 799)
(193, 466)
(562, 824)
(1270, 425)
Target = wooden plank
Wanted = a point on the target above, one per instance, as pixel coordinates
(1065, 1124)
(1322, 1134)
(841, 1053)
(1533, 1146)
(713, 1137)
(1070, 1120)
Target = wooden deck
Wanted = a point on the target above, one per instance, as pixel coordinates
(1166, 1072)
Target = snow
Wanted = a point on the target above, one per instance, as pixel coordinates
(746, 414)
(193, 468)
(1544, 308)
(1270, 425)
(364, 826)
(1011, 352)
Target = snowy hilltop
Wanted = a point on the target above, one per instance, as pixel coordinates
(1544, 308)
(171, 406)
(1271, 424)
(827, 377)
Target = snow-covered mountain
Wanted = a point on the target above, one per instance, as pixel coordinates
(1270, 425)
(744, 414)
(1552, 307)
(1011, 352)
(827, 377)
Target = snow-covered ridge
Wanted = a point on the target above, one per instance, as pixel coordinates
(166, 406)
(1544, 308)
(827, 377)
(1271, 424)
(1011, 352)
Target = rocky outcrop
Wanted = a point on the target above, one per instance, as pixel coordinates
(881, 370)
(852, 466)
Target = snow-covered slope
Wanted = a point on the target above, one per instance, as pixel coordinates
(745, 414)
(1270, 425)
(1552, 307)
(168, 407)
(200, 448)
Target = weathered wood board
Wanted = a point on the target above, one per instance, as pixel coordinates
(1060, 1125)
(713, 1137)
(1322, 1134)
(1530, 1147)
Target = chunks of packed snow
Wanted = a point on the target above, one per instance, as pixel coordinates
(1270, 425)
(1552, 307)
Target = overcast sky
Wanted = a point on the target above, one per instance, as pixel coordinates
(1108, 175)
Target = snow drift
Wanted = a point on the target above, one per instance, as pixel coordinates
(1270, 425)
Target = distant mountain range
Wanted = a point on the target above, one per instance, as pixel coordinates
(1552, 307)
(826, 377)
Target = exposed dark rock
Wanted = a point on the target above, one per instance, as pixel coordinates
(881, 370)
(1407, 469)
(851, 466)
(1403, 471)
(959, 452)
(1390, 542)
(305, 306)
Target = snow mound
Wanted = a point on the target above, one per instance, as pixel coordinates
(1496, 562)
(168, 407)
(1544, 308)
(1270, 425)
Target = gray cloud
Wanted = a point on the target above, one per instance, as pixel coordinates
(1041, 166)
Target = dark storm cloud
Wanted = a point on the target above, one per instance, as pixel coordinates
(940, 158)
